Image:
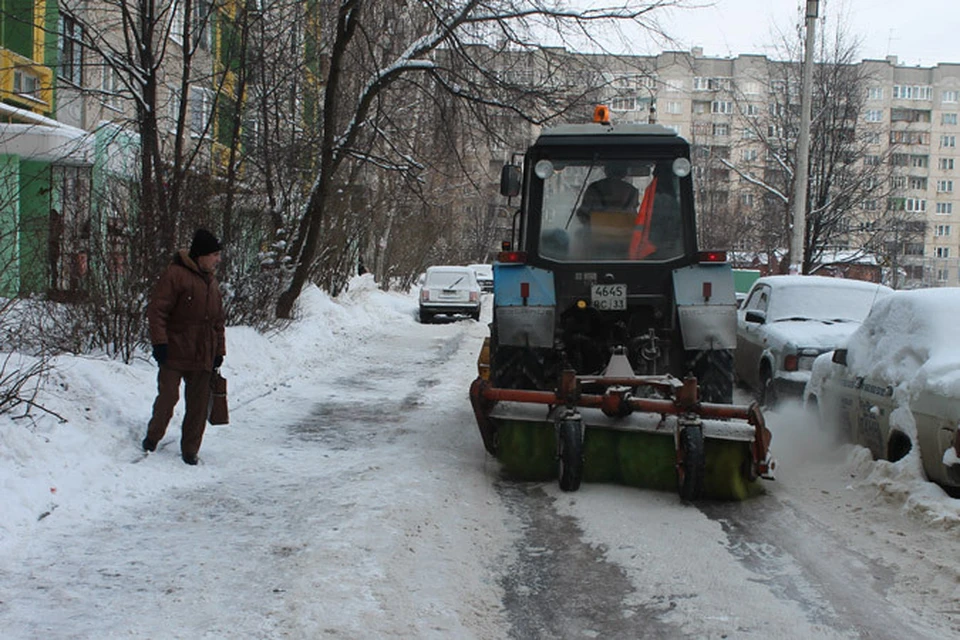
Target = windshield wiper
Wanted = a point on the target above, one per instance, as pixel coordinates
(583, 187)
(794, 319)
(456, 282)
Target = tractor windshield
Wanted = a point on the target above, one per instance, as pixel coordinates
(618, 210)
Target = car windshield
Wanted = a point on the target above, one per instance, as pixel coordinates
(821, 302)
(609, 210)
(448, 279)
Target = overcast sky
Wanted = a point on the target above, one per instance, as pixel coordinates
(920, 32)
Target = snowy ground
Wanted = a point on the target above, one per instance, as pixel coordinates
(350, 497)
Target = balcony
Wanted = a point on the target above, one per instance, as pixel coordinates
(25, 83)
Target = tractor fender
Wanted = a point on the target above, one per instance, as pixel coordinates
(706, 306)
(524, 306)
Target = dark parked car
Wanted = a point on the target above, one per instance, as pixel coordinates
(484, 274)
(787, 321)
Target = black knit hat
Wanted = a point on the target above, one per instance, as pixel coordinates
(204, 243)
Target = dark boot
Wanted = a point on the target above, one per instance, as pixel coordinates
(149, 445)
(190, 458)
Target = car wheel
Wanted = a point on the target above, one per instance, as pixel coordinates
(768, 390)
(898, 446)
(425, 317)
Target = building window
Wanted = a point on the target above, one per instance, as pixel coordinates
(753, 110)
(749, 155)
(623, 104)
(911, 137)
(913, 249)
(874, 115)
(915, 204)
(721, 106)
(873, 137)
(946, 164)
(913, 271)
(872, 161)
(917, 182)
(674, 106)
(949, 96)
(868, 205)
(110, 85)
(942, 230)
(746, 199)
(911, 92)
(944, 186)
(943, 252)
(201, 24)
(948, 118)
(898, 182)
(201, 103)
(721, 129)
(875, 93)
(948, 141)
(944, 208)
(943, 275)
(71, 49)
(26, 84)
(920, 162)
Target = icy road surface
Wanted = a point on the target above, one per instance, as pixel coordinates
(354, 499)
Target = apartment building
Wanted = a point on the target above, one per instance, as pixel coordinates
(909, 120)
(71, 101)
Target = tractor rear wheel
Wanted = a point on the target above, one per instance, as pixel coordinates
(570, 454)
(691, 464)
(714, 372)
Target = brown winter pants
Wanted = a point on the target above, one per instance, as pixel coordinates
(196, 397)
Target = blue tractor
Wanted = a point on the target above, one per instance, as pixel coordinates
(610, 351)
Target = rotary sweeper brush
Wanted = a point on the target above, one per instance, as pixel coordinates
(610, 351)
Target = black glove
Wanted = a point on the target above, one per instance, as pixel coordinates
(217, 361)
(160, 353)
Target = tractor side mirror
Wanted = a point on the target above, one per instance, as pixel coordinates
(510, 180)
(756, 317)
(839, 356)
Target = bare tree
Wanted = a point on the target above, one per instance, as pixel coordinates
(849, 169)
(369, 55)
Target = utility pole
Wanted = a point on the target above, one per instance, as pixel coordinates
(803, 142)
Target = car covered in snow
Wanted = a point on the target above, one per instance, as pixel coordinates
(484, 274)
(451, 291)
(787, 321)
(894, 387)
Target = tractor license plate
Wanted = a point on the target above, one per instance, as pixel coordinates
(609, 297)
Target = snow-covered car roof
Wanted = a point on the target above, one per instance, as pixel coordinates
(450, 276)
(910, 338)
(821, 298)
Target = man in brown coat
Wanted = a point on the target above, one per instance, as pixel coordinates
(186, 329)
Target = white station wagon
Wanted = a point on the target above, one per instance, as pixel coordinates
(896, 383)
(449, 290)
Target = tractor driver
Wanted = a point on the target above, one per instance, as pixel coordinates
(611, 193)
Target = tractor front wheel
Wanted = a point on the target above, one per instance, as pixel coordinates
(691, 463)
(570, 454)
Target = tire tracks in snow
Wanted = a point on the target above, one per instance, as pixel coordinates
(560, 587)
(801, 561)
